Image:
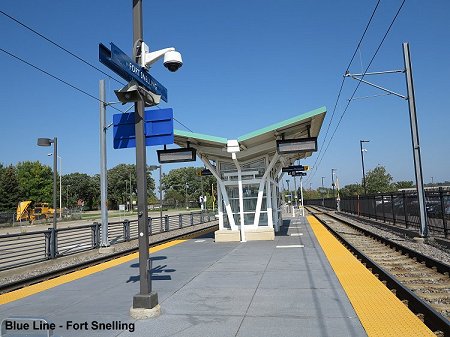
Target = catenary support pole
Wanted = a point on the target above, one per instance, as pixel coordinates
(415, 141)
(103, 171)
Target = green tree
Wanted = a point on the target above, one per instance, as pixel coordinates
(174, 186)
(403, 184)
(351, 190)
(311, 194)
(80, 186)
(378, 180)
(9, 188)
(35, 181)
(119, 178)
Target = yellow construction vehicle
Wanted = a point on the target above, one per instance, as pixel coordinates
(39, 211)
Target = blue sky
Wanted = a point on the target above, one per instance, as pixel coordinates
(247, 64)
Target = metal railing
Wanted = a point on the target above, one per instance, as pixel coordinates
(400, 209)
(26, 248)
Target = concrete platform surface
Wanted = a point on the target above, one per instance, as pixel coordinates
(284, 287)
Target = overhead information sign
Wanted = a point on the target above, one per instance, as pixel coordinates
(119, 62)
(297, 173)
(295, 168)
(158, 129)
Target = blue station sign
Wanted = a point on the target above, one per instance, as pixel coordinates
(119, 62)
(158, 129)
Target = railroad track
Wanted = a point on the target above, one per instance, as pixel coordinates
(98, 260)
(422, 283)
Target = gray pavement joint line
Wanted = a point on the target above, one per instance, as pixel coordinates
(256, 289)
(200, 272)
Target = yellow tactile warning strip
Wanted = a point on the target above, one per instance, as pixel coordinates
(380, 312)
(38, 287)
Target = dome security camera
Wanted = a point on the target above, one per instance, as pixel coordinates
(173, 60)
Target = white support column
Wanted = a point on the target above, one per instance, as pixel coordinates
(269, 203)
(277, 207)
(241, 197)
(224, 193)
(220, 207)
(261, 188)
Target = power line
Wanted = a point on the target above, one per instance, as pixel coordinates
(55, 77)
(343, 80)
(176, 120)
(359, 83)
(70, 53)
(60, 47)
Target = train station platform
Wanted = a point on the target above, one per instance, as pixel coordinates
(286, 287)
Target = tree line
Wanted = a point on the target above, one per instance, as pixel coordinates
(378, 180)
(34, 181)
(181, 187)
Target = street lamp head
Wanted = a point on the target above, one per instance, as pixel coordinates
(154, 167)
(44, 142)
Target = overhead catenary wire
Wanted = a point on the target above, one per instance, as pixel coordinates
(55, 77)
(343, 81)
(60, 47)
(72, 54)
(356, 89)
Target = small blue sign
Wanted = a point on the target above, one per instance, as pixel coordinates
(119, 62)
(158, 129)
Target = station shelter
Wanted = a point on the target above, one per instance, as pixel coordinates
(248, 171)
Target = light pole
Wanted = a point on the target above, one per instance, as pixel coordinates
(67, 196)
(323, 196)
(332, 181)
(60, 185)
(186, 188)
(152, 168)
(362, 163)
(289, 191)
(48, 142)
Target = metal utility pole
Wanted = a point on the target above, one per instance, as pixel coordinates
(103, 170)
(415, 141)
(301, 195)
(362, 163)
(131, 196)
(332, 182)
(323, 195)
(295, 192)
(146, 299)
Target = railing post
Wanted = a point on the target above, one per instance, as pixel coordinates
(444, 220)
(150, 225)
(392, 207)
(95, 235)
(192, 219)
(48, 243)
(374, 205)
(201, 217)
(126, 230)
(166, 221)
(405, 211)
(180, 220)
(382, 207)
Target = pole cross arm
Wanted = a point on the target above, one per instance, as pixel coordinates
(355, 77)
(374, 85)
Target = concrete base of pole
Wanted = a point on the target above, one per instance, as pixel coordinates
(141, 313)
(106, 250)
(145, 306)
(419, 239)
